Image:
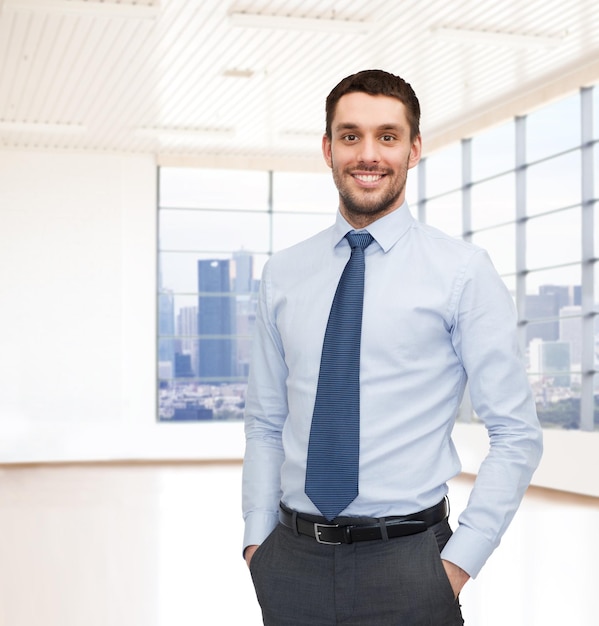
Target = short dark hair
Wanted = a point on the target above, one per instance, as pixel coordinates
(376, 83)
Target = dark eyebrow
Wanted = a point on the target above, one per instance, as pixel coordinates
(347, 126)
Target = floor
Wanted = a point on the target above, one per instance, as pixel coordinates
(159, 545)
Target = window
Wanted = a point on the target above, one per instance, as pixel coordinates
(444, 170)
(536, 209)
(553, 184)
(494, 151)
(553, 129)
(445, 213)
(217, 228)
(553, 239)
(499, 243)
(494, 201)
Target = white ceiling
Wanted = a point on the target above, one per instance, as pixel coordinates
(179, 79)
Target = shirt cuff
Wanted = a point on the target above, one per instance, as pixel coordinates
(468, 550)
(258, 525)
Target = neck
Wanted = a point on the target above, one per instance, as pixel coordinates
(363, 220)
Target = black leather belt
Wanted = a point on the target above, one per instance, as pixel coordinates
(385, 527)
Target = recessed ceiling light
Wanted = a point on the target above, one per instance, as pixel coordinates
(149, 9)
(42, 127)
(497, 38)
(288, 22)
(165, 133)
(238, 73)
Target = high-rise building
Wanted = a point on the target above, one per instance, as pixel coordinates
(187, 330)
(244, 272)
(246, 296)
(550, 362)
(216, 321)
(545, 307)
(166, 326)
(570, 330)
(183, 368)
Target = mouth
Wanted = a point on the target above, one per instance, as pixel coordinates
(368, 179)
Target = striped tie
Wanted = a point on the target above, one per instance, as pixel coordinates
(334, 447)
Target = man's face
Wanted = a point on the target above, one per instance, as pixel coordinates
(370, 153)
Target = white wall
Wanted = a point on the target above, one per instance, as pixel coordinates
(77, 313)
(78, 325)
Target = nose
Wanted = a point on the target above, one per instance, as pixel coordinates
(369, 150)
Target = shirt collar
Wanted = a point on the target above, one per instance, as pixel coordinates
(387, 230)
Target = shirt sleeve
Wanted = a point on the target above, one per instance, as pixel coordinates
(265, 414)
(485, 339)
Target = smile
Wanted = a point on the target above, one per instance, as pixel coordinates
(368, 178)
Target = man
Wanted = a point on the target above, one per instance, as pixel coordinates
(435, 314)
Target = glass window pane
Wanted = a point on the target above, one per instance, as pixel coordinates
(596, 295)
(565, 280)
(564, 328)
(444, 170)
(214, 230)
(178, 271)
(184, 400)
(570, 332)
(306, 192)
(556, 390)
(213, 189)
(494, 201)
(596, 229)
(553, 128)
(596, 112)
(494, 151)
(412, 186)
(553, 239)
(289, 229)
(554, 345)
(553, 184)
(552, 294)
(500, 243)
(445, 213)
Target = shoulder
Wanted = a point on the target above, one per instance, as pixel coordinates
(439, 237)
(304, 254)
(444, 247)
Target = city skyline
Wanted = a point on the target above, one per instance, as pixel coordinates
(204, 349)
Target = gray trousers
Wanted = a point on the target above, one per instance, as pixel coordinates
(399, 582)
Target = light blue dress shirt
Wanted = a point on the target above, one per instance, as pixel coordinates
(436, 314)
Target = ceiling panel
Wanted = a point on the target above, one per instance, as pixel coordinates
(178, 79)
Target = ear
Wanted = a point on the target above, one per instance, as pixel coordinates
(327, 152)
(415, 152)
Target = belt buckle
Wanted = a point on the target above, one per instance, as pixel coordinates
(317, 534)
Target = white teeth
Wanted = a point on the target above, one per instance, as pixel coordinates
(370, 178)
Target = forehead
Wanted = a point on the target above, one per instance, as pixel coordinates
(362, 109)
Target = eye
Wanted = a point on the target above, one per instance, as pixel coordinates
(350, 138)
(388, 138)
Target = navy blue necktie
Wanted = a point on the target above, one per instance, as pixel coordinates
(334, 447)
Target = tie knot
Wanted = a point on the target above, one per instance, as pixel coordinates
(359, 240)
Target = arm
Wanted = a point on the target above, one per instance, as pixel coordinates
(484, 337)
(265, 414)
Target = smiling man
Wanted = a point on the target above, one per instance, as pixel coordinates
(365, 337)
(371, 159)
